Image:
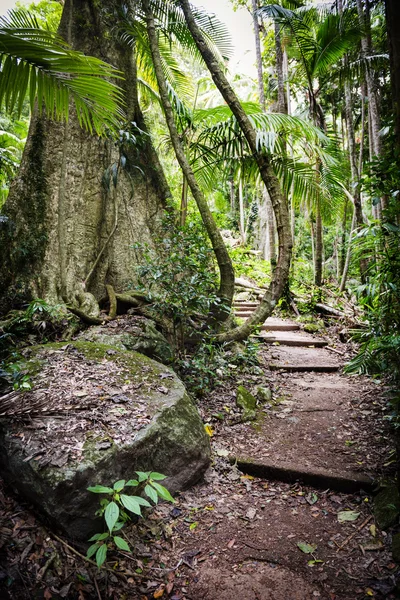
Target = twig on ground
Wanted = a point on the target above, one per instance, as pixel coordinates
(347, 540)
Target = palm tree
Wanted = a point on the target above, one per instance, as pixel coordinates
(318, 40)
(38, 64)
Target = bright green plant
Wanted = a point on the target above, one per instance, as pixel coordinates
(115, 509)
(180, 278)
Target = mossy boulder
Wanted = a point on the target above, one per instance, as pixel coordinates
(247, 402)
(140, 335)
(95, 415)
(387, 506)
(264, 394)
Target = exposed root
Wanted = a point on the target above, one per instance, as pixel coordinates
(84, 316)
(113, 301)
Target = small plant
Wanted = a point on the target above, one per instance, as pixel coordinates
(114, 509)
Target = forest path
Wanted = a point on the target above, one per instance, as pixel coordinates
(308, 431)
(272, 526)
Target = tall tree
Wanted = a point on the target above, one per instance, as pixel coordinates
(81, 204)
(267, 174)
(393, 28)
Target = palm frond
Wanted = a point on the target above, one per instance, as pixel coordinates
(38, 63)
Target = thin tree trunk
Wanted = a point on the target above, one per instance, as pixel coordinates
(184, 202)
(373, 104)
(282, 99)
(319, 246)
(256, 27)
(241, 212)
(342, 259)
(393, 28)
(269, 212)
(227, 275)
(268, 176)
(348, 255)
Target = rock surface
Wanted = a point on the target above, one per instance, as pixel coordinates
(138, 334)
(98, 414)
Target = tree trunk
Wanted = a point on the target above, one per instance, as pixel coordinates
(241, 212)
(282, 98)
(260, 79)
(227, 275)
(373, 103)
(319, 246)
(393, 28)
(269, 178)
(69, 233)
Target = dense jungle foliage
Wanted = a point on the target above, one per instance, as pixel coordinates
(324, 111)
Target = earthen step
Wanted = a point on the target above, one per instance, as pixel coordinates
(317, 477)
(305, 368)
(280, 327)
(295, 340)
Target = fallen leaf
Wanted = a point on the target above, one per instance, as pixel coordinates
(369, 592)
(372, 530)
(347, 515)
(251, 513)
(231, 543)
(306, 548)
(221, 452)
(193, 525)
(159, 593)
(209, 430)
(312, 563)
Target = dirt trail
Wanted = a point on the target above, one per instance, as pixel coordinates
(269, 530)
(321, 435)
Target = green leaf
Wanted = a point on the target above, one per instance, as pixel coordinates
(157, 476)
(92, 550)
(118, 526)
(311, 563)
(100, 489)
(347, 515)
(193, 525)
(99, 537)
(142, 476)
(111, 515)
(120, 543)
(152, 494)
(131, 504)
(101, 555)
(306, 548)
(119, 485)
(162, 492)
(132, 483)
(143, 501)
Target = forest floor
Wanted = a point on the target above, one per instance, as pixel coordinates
(235, 535)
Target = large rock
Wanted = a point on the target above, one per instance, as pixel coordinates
(132, 333)
(98, 414)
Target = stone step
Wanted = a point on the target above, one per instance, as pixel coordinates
(245, 304)
(348, 482)
(292, 340)
(304, 368)
(273, 323)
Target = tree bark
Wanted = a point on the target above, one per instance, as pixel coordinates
(373, 103)
(319, 245)
(227, 275)
(61, 216)
(269, 178)
(393, 29)
(260, 79)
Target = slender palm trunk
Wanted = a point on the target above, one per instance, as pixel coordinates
(227, 275)
(281, 273)
(241, 212)
(373, 102)
(393, 27)
(184, 202)
(319, 245)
